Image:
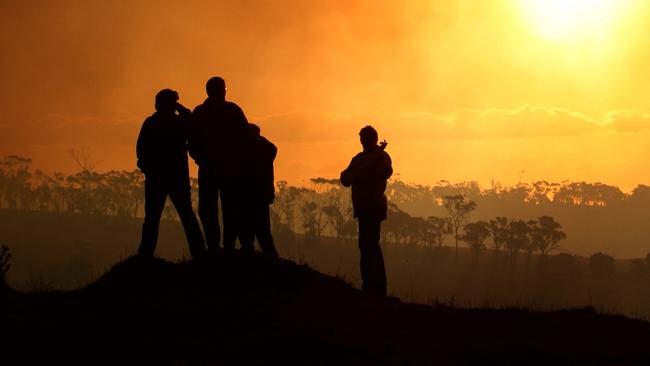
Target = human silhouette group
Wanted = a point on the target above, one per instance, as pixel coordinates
(236, 168)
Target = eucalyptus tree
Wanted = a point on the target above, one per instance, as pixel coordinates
(438, 228)
(499, 230)
(475, 234)
(546, 233)
(459, 208)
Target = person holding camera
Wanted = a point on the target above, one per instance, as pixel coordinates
(367, 174)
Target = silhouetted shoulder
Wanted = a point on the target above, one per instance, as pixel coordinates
(269, 147)
(357, 158)
(199, 108)
(235, 110)
(149, 120)
(233, 105)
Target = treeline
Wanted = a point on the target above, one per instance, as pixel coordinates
(111, 193)
(418, 214)
(597, 217)
(538, 193)
(323, 209)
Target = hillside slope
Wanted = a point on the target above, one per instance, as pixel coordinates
(236, 309)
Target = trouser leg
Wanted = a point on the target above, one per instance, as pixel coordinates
(155, 194)
(246, 227)
(209, 208)
(373, 272)
(263, 230)
(229, 212)
(181, 197)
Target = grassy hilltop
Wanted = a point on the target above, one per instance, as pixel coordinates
(236, 309)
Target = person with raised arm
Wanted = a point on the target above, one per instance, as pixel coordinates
(367, 174)
(162, 156)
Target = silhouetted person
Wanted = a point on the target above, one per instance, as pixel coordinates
(219, 131)
(259, 191)
(367, 174)
(162, 157)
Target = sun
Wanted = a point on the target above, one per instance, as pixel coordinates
(570, 20)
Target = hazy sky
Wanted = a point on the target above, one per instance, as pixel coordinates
(462, 90)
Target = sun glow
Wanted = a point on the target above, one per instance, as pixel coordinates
(571, 20)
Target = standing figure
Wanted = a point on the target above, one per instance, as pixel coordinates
(218, 133)
(162, 157)
(367, 174)
(259, 192)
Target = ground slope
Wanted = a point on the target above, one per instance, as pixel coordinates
(238, 309)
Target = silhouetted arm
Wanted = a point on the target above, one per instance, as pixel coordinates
(349, 175)
(183, 113)
(194, 136)
(243, 125)
(387, 166)
(142, 146)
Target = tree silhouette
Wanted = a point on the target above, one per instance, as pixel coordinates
(518, 236)
(15, 173)
(545, 234)
(397, 224)
(459, 209)
(312, 219)
(437, 229)
(475, 234)
(286, 201)
(499, 230)
(42, 191)
(336, 204)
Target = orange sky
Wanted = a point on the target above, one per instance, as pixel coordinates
(462, 90)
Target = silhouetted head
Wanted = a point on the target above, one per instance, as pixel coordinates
(253, 131)
(216, 88)
(166, 100)
(369, 137)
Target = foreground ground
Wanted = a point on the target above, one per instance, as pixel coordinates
(235, 309)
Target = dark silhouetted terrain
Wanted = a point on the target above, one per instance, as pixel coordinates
(234, 309)
(67, 251)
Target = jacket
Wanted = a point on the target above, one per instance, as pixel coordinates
(368, 173)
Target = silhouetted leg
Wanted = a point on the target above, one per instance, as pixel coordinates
(155, 194)
(209, 208)
(263, 230)
(181, 197)
(246, 227)
(229, 211)
(373, 272)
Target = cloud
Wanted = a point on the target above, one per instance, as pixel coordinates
(312, 126)
(627, 121)
(523, 122)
